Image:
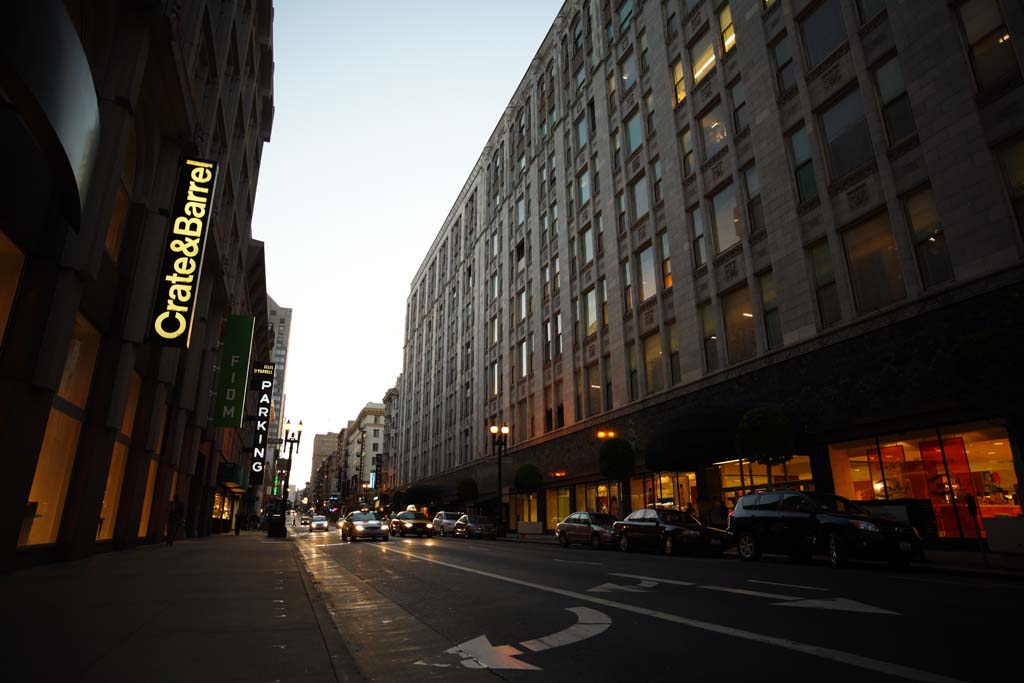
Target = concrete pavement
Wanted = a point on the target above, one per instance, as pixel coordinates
(220, 608)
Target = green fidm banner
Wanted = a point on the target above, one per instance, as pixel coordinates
(234, 371)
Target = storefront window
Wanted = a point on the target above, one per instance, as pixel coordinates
(218, 504)
(557, 504)
(973, 459)
(11, 262)
(740, 477)
(60, 441)
(115, 475)
(524, 508)
(671, 490)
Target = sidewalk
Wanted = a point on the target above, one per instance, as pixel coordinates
(999, 565)
(221, 608)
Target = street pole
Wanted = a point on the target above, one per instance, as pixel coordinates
(498, 445)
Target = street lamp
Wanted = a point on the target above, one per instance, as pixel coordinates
(605, 434)
(499, 443)
(292, 438)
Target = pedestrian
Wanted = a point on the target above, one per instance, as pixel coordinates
(174, 519)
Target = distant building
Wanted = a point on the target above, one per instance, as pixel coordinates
(388, 475)
(363, 447)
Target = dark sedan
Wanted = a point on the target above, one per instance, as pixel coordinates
(667, 530)
(469, 526)
(412, 523)
(363, 525)
(798, 524)
(592, 528)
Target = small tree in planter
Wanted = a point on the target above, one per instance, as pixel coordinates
(528, 479)
(765, 436)
(615, 461)
(467, 490)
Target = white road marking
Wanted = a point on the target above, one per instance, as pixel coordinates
(652, 578)
(590, 623)
(612, 587)
(787, 585)
(480, 654)
(599, 564)
(754, 594)
(838, 604)
(849, 658)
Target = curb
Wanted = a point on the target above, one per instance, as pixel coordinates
(345, 668)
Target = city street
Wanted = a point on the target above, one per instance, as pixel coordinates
(445, 607)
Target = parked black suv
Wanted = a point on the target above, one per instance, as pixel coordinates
(799, 523)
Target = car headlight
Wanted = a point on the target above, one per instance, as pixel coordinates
(864, 526)
(429, 525)
(408, 525)
(359, 527)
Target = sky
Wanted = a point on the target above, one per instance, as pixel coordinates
(381, 111)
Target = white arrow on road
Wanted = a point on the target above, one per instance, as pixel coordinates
(480, 653)
(612, 587)
(839, 604)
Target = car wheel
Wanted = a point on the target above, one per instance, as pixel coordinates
(837, 553)
(563, 540)
(402, 533)
(595, 541)
(384, 537)
(624, 543)
(667, 545)
(747, 546)
(352, 539)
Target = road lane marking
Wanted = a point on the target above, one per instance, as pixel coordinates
(838, 604)
(848, 658)
(612, 587)
(753, 594)
(787, 585)
(599, 564)
(652, 578)
(589, 623)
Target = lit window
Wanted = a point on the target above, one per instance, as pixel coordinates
(702, 56)
(666, 262)
(628, 71)
(992, 56)
(739, 325)
(680, 85)
(929, 238)
(713, 129)
(725, 22)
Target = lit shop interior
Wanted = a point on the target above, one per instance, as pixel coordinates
(938, 465)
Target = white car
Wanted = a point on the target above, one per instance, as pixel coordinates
(444, 522)
(319, 523)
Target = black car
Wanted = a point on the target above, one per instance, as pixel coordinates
(668, 530)
(479, 526)
(412, 523)
(798, 524)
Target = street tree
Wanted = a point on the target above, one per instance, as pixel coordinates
(765, 436)
(528, 479)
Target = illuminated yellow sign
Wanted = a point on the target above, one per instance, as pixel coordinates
(183, 255)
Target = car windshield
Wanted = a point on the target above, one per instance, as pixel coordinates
(364, 517)
(676, 517)
(475, 519)
(831, 503)
(319, 518)
(419, 516)
(601, 519)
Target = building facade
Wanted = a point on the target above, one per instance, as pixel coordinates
(363, 447)
(388, 475)
(104, 420)
(693, 208)
(325, 448)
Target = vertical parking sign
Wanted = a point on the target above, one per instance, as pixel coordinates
(262, 383)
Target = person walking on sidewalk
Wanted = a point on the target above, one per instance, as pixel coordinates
(174, 519)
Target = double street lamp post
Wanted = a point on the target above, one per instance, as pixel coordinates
(499, 443)
(292, 438)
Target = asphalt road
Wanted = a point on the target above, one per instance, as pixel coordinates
(416, 609)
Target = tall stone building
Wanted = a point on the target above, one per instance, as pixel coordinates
(133, 135)
(693, 208)
(388, 475)
(363, 447)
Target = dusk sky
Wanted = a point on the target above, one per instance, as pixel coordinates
(381, 112)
